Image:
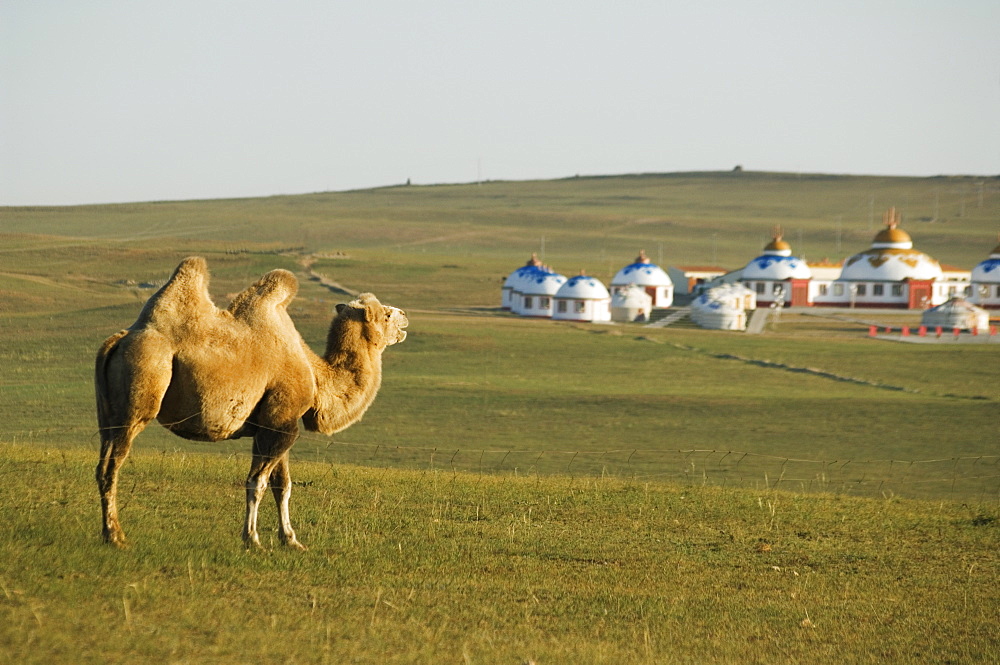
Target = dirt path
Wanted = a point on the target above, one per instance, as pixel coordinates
(307, 261)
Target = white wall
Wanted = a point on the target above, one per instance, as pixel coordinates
(582, 310)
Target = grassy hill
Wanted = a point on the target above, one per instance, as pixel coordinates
(522, 489)
(422, 566)
(812, 403)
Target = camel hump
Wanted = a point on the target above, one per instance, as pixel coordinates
(262, 299)
(184, 297)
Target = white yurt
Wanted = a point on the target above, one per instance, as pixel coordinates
(956, 313)
(648, 276)
(770, 275)
(735, 295)
(717, 315)
(889, 274)
(631, 303)
(511, 286)
(582, 298)
(986, 281)
(723, 307)
(537, 291)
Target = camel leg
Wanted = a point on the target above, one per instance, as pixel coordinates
(115, 446)
(256, 485)
(128, 399)
(270, 446)
(281, 487)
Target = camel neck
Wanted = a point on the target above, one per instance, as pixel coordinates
(347, 381)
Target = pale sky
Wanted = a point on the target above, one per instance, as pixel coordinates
(115, 101)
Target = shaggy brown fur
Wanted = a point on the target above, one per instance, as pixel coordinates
(209, 374)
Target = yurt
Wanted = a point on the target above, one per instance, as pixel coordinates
(631, 304)
(582, 298)
(889, 274)
(956, 313)
(717, 314)
(986, 281)
(777, 276)
(723, 307)
(735, 295)
(510, 292)
(648, 276)
(537, 291)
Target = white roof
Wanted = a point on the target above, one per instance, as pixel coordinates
(721, 297)
(956, 312)
(771, 265)
(989, 270)
(519, 276)
(643, 273)
(956, 304)
(890, 265)
(583, 287)
(541, 283)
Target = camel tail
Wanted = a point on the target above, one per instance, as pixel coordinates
(101, 383)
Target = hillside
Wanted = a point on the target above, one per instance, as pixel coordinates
(522, 490)
(811, 404)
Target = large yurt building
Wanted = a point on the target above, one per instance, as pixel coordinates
(891, 273)
(582, 298)
(778, 277)
(956, 313)
(647, 275)
(537, 291)
(511, 290)
(986, 281)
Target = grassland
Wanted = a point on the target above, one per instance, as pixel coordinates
(479, 390)
(521, 489)
(429, 567)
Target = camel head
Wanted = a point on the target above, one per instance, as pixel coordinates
(381, 325)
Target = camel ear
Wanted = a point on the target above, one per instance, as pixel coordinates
(362, 310)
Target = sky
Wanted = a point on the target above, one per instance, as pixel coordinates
(110, 101)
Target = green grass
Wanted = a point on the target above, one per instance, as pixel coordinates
(478, 390)
(502, 394)
(521, 489)
(409, 566)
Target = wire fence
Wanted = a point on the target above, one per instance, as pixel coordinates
(966, 478)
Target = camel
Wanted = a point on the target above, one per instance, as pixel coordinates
(208, 374)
